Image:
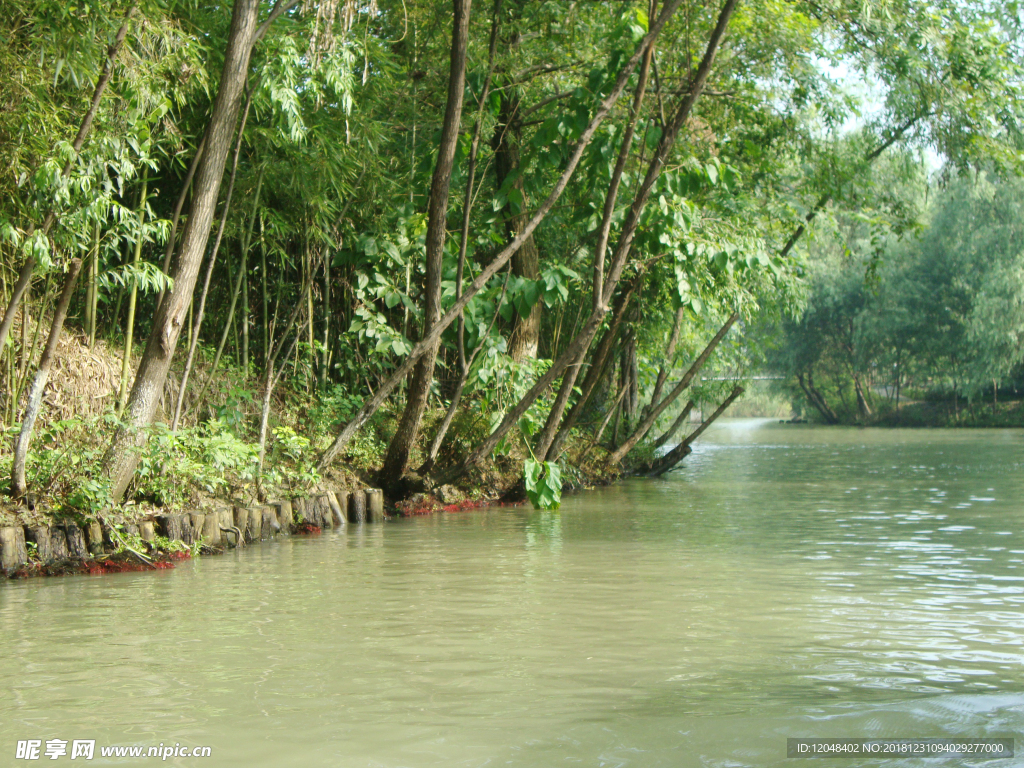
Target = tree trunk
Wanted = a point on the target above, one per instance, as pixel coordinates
(863, 408)
(402, 443)
(129, 327)
(91, 298)
(598, 363)
(666, 366)
(525, 336)
(816, 398)
(122, 455)
(176, 216)
(676, 425)
(35, 396)
(460, 269)
(197, 326)
(620, 453)
(629, 368)
(681, 451)
(374, 402)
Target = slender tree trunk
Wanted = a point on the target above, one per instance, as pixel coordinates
(525, 336)
(263, 290)
(816, 398)
(326, 301)
(460, 270)
(122, 456)
(270, 377)
(176, 216)
(235, 291)
(374, 402)
(676, 425)
(129, 328)
(547, 436)
(604, 424)
(197, 325)
(681, 451)
(91, 297)
(25, 275)
(862, 401)
(598, 364)
(19, 486)
(402, 443)
(666, 366)
(644, 427)
(244, 319)
(630, 370)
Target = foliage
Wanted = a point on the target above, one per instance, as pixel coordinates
(543, 483)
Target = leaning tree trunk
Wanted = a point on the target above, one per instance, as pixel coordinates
(578, 346)
(599, 361)
(373, 403)
(816, 399)
(547, 436)
(35, 395)
(657, 409)
(681, 451)
(122, 455)
(862, 401)
(676, 425)
(397, 458)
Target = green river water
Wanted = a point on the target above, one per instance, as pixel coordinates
(788, 581)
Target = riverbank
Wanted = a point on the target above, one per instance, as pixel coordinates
(158, 541)
(939, 413)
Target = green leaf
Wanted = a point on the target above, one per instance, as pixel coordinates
(543, 481)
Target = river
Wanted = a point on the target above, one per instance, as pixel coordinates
(787, 581)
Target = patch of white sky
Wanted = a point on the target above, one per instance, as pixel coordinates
(867, 92)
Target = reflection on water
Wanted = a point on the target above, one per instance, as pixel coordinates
(787, 581)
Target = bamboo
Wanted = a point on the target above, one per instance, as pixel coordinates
(129, 329)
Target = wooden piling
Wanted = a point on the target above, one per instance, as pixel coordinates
(321, 509)
(254, 525)
(374, 505)
(94, 536)
(227, 521)
(271, 525)
(198, 520)
(211, 528)
(285, 516)
(169, 526)
(241, 515)
(357, 507)
(342, 497)
(40, 536)
(58, 542)
(338, 517)
(12, 547)
(188, 532)
(76, 542)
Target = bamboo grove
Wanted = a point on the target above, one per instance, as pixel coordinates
(423, 239)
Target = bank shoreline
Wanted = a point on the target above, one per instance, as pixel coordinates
(159, 540)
